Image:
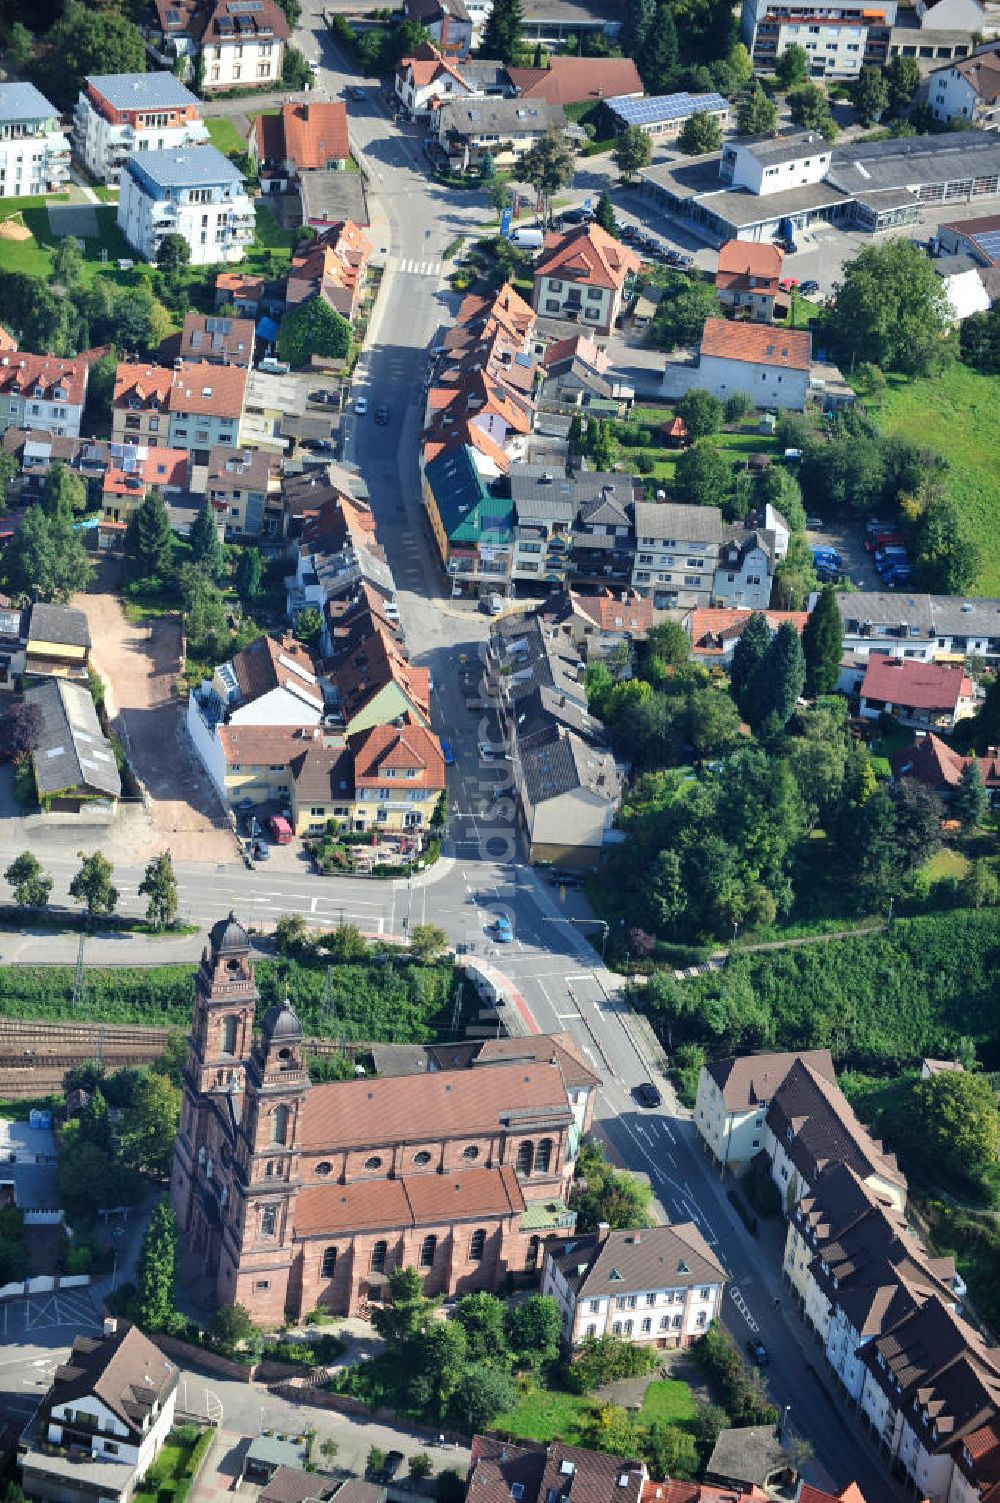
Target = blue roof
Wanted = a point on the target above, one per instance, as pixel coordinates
(141, 91)
(469, 512)
(22, 101)
(189, 167)
(657, 107)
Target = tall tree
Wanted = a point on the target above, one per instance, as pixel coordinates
(548, 165)
(781, 678)
(658, 61)
(809, 107)
(206, 546)
(956, 1124)
(150, 1126)
(156, 1279)
(969, 800)
(632, 151)
(756, 115)
(639, 17)
(701, 133)
(46, 559)
(67, 263)
(88, 40)
(502, 32)
(870, 94)
(100, 392)
(95, 1121)
(311, 328)
(159, 885)
(822, 645)
(890, 308)
(249, 574)
(149, 539)
(31, 885)
(604, 214)
(748, 655)
(173, 254)
(92, 885)
(63, 492)
(792, 66)
(702, 476)
(947, 561)
(533, 1329)
(904, 78)
(21, 728)
(482, 1315)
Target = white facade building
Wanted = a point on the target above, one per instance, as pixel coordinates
(196, 193)
(765, 167)
(746, 564)
(34, 152)
(119, 114)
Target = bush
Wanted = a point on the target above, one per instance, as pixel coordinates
(741, 1392)
(608, 1359)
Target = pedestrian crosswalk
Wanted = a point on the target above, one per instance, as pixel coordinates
(414, 267)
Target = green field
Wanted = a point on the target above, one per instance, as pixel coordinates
(958, 414)
(544, 1415)
(224, 134)
(669, 1400)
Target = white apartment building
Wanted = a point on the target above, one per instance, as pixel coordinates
(733, 1098)
(661, 1285)
(196, 193)
(242, 44)
(840, 38)
(764, 167)
(34, 152)
(906, 624)
(118, 114)
(968, 90)
(39, 391)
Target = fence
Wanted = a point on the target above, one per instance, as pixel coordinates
(43, 1283)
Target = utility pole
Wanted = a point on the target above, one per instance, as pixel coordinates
(409, 899)
(456, 1011)
(100, 1049)
(78, 976)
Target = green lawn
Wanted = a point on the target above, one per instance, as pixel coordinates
(958, 414)
(543, 1415)
(669, 1400)
(224, 134)
(946, 863)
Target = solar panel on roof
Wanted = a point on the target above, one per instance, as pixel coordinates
(989, 243)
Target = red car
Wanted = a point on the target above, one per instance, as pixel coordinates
(876, 540)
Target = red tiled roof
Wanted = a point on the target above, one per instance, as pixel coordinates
(611, 613)
(143, 382)
(377, 663)
(308, 135)
(272, 664)
(587, 254)
(259, 745)
(414, 1200)
(930, 761)
(758, 344)
(917, 686)
(268, 20)
(582, 347)
(712, 628)
(214, 390)
(459, 1103)
(161, 467)
(21, 372)
(7, 341)
(426, 64)
(698, 1492)
(739, 260)
(239, 281)
(570, 80)
(390, 749)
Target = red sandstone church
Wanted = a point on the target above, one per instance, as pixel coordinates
(297, 1195)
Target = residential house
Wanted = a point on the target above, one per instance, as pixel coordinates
(270, 403)
(448, 23)
(856, 1268)
(206, 407)
(373, 683)
(210, 339)
(545, 508)
(103, 1420)
(240, 289)
(576, 80)
(601, 624)
(194, 192)
(74, 764)
(770, 365)
(675, 1491)
(745, 567)
(972, 237)
(662, 1285)
(908, 624)
(930, 1385)
(748, 1457)
(584, 274)
(550, 1474)
(917, 694)
(58, 642)
(140, 405)
(662, 117)
(470, 130)
(426, 78)
(333, 566)
(13, 640)
(288, 1484)
(940, 768)
(271, 682)
(41, 392)
(677, 551)
(733, 1097)
(772, 521)
(333, 268)
(245, 492)
(473, 528)
(118, 114)
(968, 91)
(322, 784)
(34, 152)
(398, 778)
(300, 138)
(809, 1124)
(768, 27)
(7, 341)
(715, 630)
(747, 279)
(241, 42)
(577, 372)
(128, 478)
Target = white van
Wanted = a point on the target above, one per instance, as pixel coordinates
(527, 239)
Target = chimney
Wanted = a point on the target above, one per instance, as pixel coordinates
(110, 1325)
(603, 1230)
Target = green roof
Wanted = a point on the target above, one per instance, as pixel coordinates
(542, 1215)
(468, 511)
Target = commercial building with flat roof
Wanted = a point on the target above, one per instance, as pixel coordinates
(663, 116)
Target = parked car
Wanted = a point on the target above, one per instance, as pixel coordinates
(885, 538)
(646, 1094)
(579, 215)
(320, 446)
(325, 397)
(393, 1461)
(360, 406)
(678, 259)
(279, 830)
(757, 1352)
(814, 524)
(823, 552)
(271, 367)
(503, 931)
(260, 851)
(382, 415)
(809, 288)
(357, 92)
(447, 751)
(485, 750)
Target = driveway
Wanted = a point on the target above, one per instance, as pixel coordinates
(140, 666)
